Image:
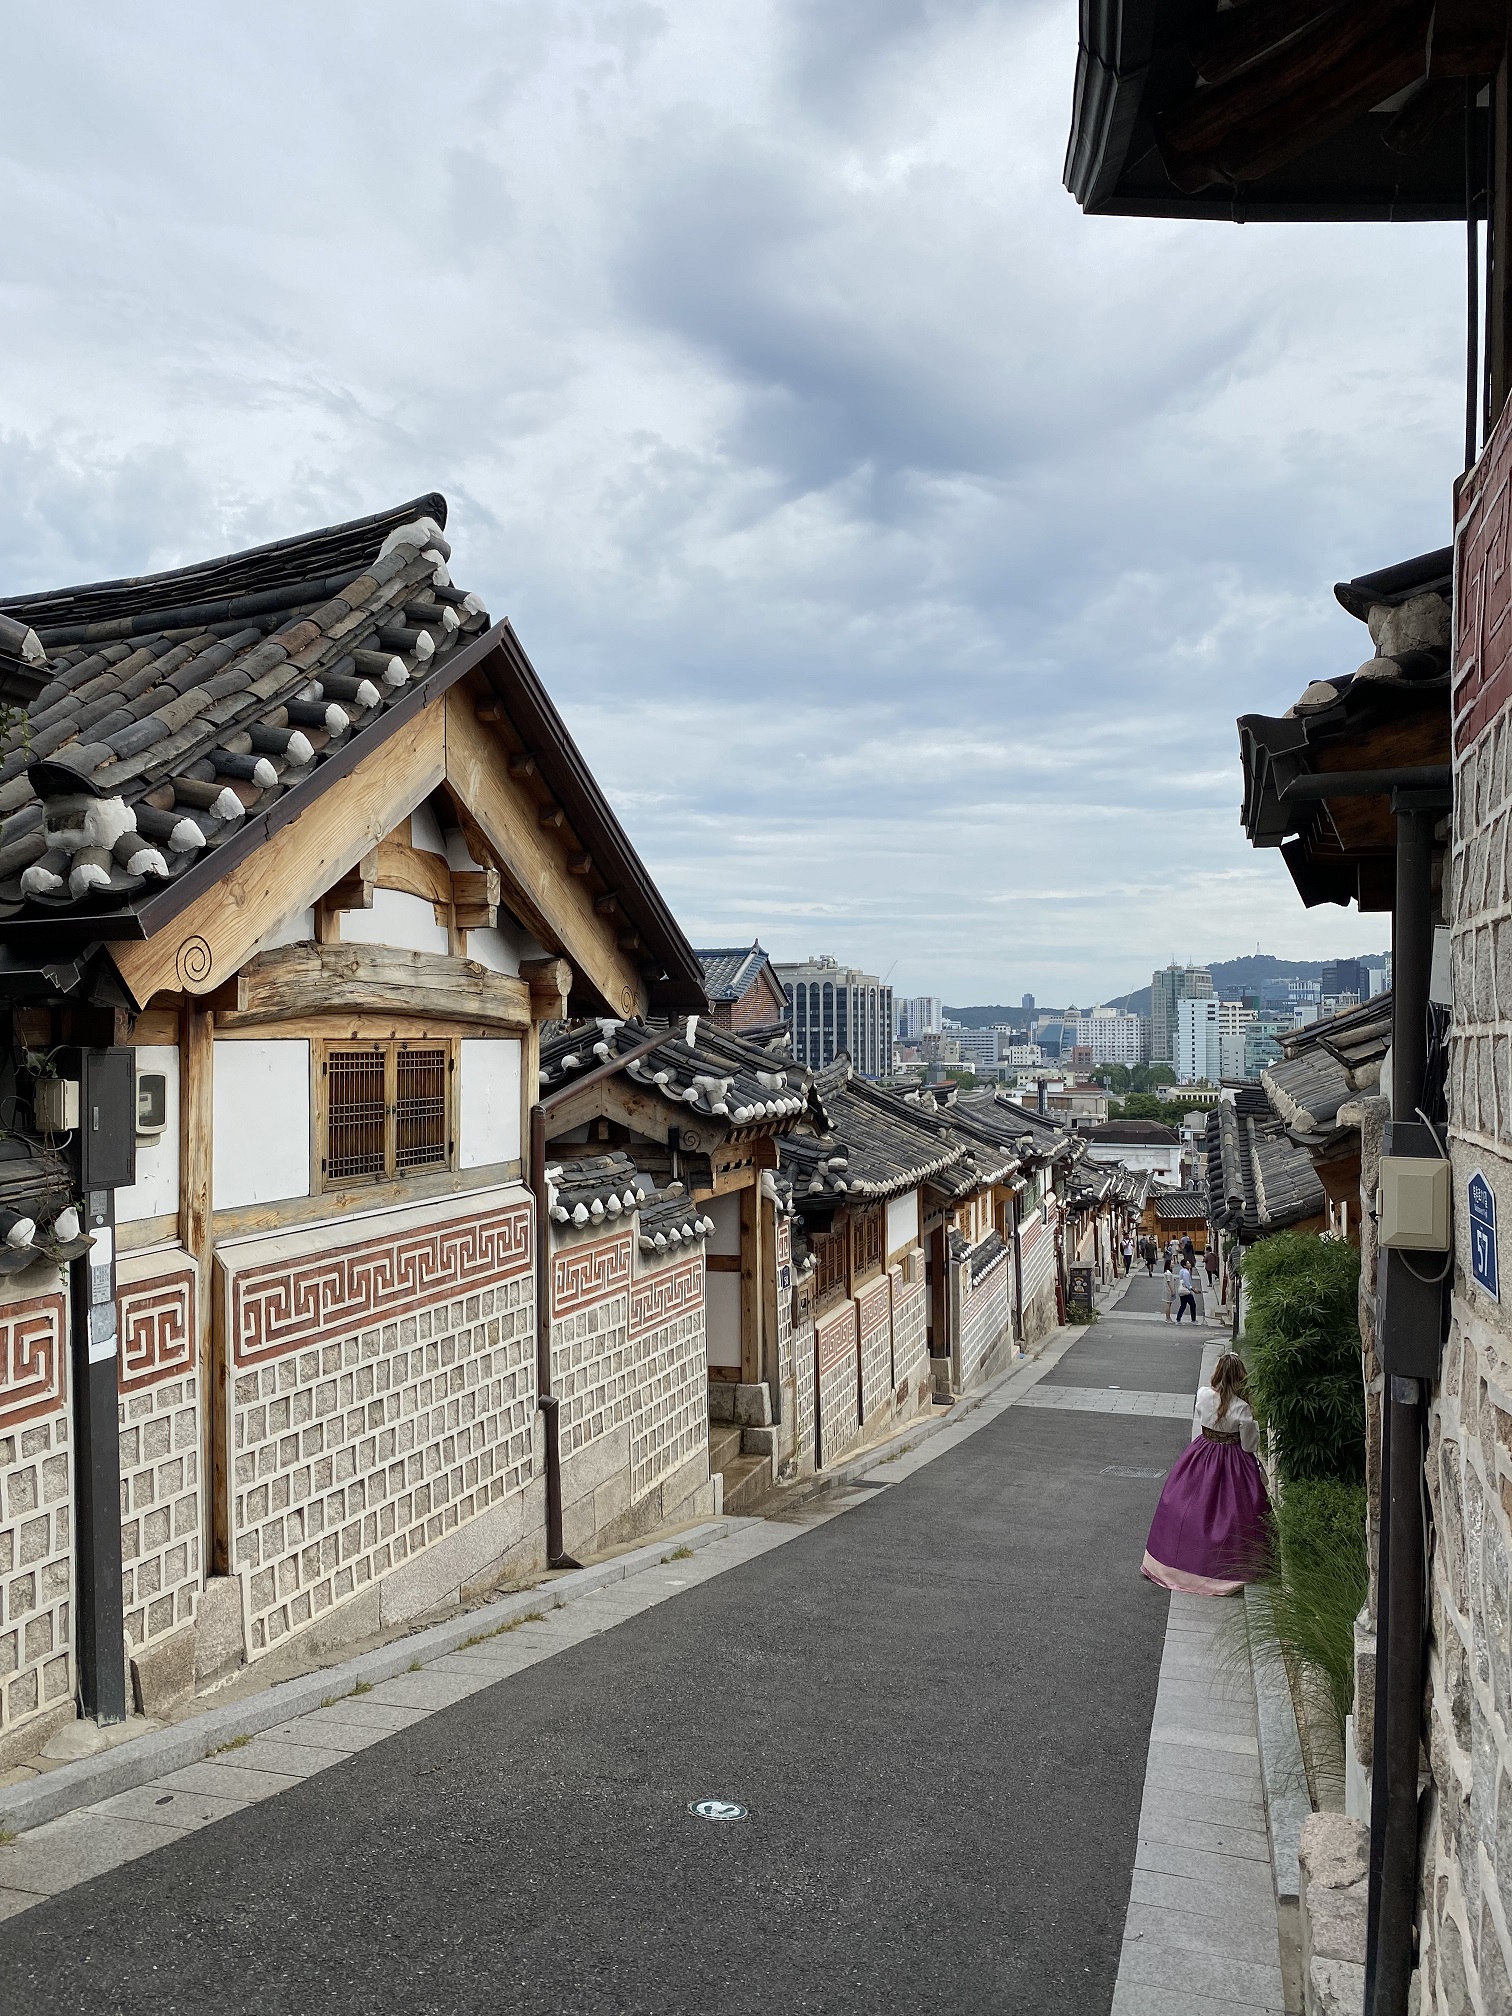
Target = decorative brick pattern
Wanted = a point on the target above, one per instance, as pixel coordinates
(670, 1423)
(33, 1378)
(155, 1321)
(1483, 594)
(874, 1321)
(282, 1307)
(666, 1293)
(372, 1440)
(835, 1343)
(1480, 1053)
(36, 1530)
(584, 1275)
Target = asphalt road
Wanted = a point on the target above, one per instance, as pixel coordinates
(936, 1708)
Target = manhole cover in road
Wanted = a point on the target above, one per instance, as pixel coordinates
(1124, 1470)
(716, 1809)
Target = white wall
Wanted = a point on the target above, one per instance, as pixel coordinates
(902, 1222)
(489, 1095)
(155, 1193)
(425, 831)
(722, 1316)
(725, 1211)
(396, 918)
(261, 1122)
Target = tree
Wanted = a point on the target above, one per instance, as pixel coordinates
(1145, 1077)
(1112, 1077)
(1145, 1106)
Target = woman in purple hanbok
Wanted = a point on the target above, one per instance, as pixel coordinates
(1210, 1532)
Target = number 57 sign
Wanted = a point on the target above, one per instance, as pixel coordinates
(1482, 1201)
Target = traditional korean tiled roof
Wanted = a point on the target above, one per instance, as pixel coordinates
(748, 1087)
(875, 1145)
(1326, 1065)
(595, 1190)
(731, 972)
(168, 708)
(1258, 1180)
(1176, 1206)
(1037, 1137)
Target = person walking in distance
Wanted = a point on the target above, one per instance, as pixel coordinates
(1168, 1278)
(1210, 1530)
(1149, 1257)
(1187, 1296)
(1128, 1253)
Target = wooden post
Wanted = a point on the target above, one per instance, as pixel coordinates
(197, 1234)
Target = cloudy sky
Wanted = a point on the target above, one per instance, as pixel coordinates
(899, 543)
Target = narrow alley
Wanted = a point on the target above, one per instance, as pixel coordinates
(933, 1694)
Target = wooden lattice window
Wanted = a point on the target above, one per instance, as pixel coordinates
(868, 1239)
(830, 1255)
(387, 1108)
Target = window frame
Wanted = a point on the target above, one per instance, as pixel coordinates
(391, 1048)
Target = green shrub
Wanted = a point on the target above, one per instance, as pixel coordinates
(1318, 1583)
(1302, 1345)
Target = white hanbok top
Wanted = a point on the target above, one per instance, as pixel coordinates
(1205, 1415)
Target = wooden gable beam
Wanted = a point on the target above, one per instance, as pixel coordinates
(206, 943)
(298, 981)
(553, 904)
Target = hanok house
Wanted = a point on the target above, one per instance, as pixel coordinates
(1316, 1092)
(702, 1113)
(869, 1318)
(1047, 1154)
(296, 858)
(744, 991)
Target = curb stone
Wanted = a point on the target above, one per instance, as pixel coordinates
(88, 1780)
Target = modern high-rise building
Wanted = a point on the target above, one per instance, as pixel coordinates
(1027, 1004)
(1167, 987)
(920, 1015)
(1209, 1043)
(1111, 1037)
(1345, 976)
(834, 1008)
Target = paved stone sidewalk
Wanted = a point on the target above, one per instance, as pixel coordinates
(1112, 1400)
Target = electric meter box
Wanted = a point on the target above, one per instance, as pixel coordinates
(55, 1105)
(1413, 1207)
(152, 1104)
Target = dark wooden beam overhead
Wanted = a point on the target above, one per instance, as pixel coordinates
(1314, 84)
(1242, 34)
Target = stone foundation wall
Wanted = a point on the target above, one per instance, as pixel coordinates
(1036, 1242)
(383, 1403)
(161, 1424)
(835, 1349)
(801, 1339)
(36, 1513)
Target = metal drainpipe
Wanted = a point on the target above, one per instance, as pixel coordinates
(1400, 1617)
(546, 1400)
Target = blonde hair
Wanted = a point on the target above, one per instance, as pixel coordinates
(1229, 1381)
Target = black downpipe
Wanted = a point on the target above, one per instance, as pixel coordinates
(1400, 1622)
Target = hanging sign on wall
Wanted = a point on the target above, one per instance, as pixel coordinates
(1483, 1266)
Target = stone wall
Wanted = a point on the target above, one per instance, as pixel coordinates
(36, 1513)
(910, 1338)
(1467, 1869)
(1036, 1260)
(835, 1350)
(382, 1421)
(161, 1423)
(630, 1372)
(874, 1326)
(986, 1313)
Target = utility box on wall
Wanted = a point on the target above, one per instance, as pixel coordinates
(107, 1119)
(1413, 1204)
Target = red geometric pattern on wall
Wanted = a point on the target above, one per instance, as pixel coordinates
(288, 1304)
(33, 1380)
(1483, 592)
(589, 1274)
(155, 1323)
(657, 1298)
(836, 1338)
(874, 1305)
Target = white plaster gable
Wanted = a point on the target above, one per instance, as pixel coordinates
(425, 832)
(396, 918)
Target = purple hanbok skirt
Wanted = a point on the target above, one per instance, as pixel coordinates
(1211, 1532)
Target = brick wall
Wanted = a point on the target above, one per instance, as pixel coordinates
(383, 1398)
(160, 1428)
(910, 1335)
(1036, 1242)
(36, 1530)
